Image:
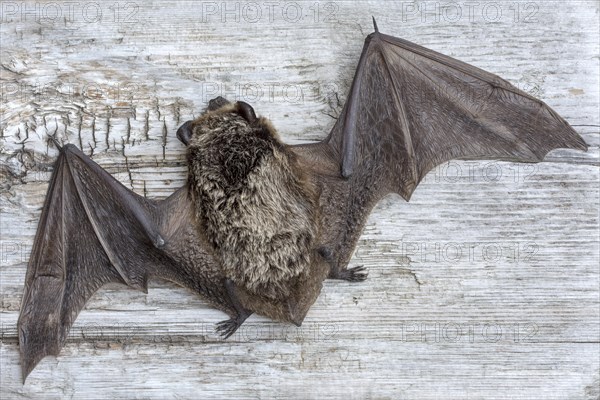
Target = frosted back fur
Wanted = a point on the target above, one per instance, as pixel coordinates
(253, 201)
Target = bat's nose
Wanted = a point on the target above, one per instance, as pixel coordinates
(216, 103)
(184, 133)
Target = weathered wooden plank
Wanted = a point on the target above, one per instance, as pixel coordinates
(485, 285)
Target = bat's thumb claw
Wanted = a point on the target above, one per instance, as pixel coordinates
(375, 24)
(55, 142)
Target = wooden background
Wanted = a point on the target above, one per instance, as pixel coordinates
(485, 285)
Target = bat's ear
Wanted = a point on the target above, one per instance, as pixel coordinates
(184, 133)
(246, 111)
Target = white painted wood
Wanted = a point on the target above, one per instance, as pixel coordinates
(485, 285)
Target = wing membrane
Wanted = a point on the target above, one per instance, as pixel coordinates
(410, 109)
(94, 231)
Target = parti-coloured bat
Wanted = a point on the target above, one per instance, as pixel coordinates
(260, 224)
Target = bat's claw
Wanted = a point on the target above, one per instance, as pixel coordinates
(54, 141)
(228, 327)
(356, 274)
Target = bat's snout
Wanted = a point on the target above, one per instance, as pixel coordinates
(216, 103)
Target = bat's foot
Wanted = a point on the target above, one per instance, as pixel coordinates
(356, 274)
(228, 327)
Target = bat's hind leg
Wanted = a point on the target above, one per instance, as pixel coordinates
(355, 274)
(228, 327)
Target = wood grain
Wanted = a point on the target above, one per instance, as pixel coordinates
(485, 285)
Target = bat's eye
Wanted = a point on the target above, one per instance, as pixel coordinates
(184, 133)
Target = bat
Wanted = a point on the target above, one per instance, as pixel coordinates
(259, 224)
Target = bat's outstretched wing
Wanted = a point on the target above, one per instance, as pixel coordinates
(410, 109)
(94, 231)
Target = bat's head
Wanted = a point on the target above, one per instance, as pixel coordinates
(228, 116)
(228, 142)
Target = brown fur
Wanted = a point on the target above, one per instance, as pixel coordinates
(253, 201)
